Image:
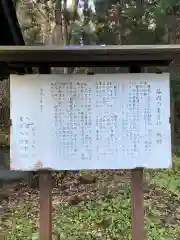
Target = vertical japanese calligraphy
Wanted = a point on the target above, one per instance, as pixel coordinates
(159, 136)
(41, 99)
(158, 106)
(106, 119)
(27, 143)
(72, 119)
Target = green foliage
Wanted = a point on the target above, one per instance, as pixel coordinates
(108, 214)
(138, 22)
(109, 22)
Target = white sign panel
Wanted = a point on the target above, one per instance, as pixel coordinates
(103, 121)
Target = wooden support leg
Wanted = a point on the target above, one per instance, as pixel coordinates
(45, 191)
(137, 204)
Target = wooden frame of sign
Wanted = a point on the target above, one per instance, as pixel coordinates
(133, 57)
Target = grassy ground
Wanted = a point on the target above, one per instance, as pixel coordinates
(104, 209)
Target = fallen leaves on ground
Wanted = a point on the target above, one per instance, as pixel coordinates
(101, 210)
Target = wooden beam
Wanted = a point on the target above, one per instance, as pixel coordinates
(90, 55)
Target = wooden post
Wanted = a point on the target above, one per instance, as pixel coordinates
(45, 192)
(137, 204)
(137, 192)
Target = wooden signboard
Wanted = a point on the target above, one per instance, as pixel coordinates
(101, 121)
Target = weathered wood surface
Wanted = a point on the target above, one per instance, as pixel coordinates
(90, 55)
(103, 48)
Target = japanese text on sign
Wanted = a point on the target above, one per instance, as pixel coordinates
(90, 122)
